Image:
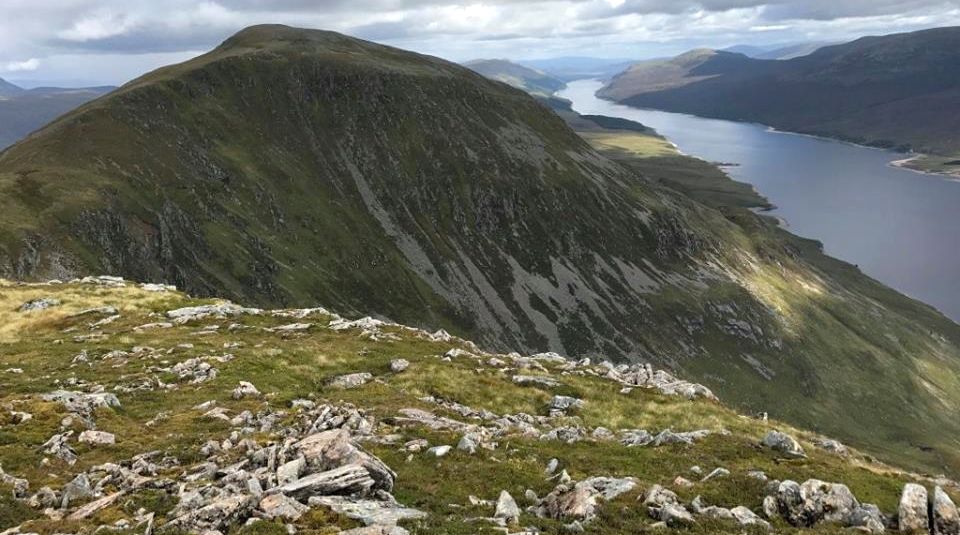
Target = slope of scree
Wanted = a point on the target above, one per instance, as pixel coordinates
(135, 408)
(288, 167)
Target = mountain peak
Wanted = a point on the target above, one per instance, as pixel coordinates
(262, 35)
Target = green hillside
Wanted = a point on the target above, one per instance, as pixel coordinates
(289, 167)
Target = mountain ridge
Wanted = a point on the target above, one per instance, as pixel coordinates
(289, 167)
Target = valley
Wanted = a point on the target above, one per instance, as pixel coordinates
(884, 91)
(896, 225)
(306, 283)
(508, 228)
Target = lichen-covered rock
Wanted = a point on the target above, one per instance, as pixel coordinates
(912, 511)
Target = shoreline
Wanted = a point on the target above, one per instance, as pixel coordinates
(902, 163)
(905, 165)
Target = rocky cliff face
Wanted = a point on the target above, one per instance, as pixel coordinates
(289, 167)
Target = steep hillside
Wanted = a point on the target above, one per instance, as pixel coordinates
(289, 167)
(26, 111)
(135, 409)
(888, 91)
(530, 80)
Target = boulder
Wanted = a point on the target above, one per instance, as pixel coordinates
(39, 304)
(282, 506)
(507, 508)
(370, 512)
(77, 489)
(245, 390)
(220, 514)
(867, 518)
(399, 365)
(351, 380)
(579, 503)
(565, 403)
(746, 517)
(334, 448)
(95, 506)
(535, 380)
(20, 485)
(815, 501)
(439, 451)
(291, 470)
(673, 515)
(943, 512)
(350, 479)
(97, 438)
(912, 511)
(783, 443)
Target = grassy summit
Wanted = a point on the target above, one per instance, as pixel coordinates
(289, 167)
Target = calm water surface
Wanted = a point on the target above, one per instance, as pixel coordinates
(900, 227)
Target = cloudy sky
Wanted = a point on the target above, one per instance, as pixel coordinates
(91, 42)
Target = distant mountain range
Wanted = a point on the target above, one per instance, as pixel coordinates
(24, 110)
(898, 91)
(780, 52)
(578, 68)
(526, 78)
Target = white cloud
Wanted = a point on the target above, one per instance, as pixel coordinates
(100, 25)
(455, 29)
(31, 64)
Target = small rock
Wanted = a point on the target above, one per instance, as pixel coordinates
(399, 365)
